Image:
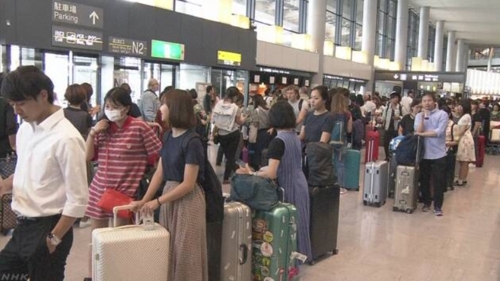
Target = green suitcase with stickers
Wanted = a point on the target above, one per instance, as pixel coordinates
(274, 241)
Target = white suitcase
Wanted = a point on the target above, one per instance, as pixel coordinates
(130, 253)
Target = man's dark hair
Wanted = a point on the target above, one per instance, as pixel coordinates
(88, 90)
(209, 89)
(26, 82)
(167, 88)
(193, 93)
(281, 116)
(430, 94)
(232, 93)
(75, 94)
(119, 95)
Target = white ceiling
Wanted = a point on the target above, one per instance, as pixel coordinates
(476, 21)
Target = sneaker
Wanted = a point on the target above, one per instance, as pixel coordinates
(343, 191)
(438, 212)
(426, 208)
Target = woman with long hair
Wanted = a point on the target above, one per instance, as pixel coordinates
(342, 125)
(259, 120)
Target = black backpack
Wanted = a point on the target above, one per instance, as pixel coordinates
(410, 151)
(211, 184)
(319, 167)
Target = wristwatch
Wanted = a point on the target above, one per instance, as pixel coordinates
(54, 240)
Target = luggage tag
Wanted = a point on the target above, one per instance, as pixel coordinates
(299, 256)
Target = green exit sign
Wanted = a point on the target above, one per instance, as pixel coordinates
(167, 50)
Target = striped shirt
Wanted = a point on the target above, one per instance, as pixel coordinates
(122, 154)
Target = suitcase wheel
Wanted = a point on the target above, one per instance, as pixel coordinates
(395, 209)
(357, 189)
(364, 202)
(312, 262)
(335, 251)
(4, 231)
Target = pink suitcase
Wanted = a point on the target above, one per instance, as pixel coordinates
(130, 253)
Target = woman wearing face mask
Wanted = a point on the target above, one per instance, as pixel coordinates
(122, 146)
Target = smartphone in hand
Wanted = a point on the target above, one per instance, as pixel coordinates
(241, 163)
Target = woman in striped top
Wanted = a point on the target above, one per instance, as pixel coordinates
(122, 146)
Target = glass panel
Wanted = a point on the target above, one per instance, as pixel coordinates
(390, 49)
(107, 77)
(240, 7)
(347, 8)
(128, 70)
(192, 74)
(167, 76)
(265, 11)
(392, 8)
(380, 47)
(382, 5)
(190, 7)
(291, 15)
(331, 5)
(330, 26)
(391, 27)
(85, 71)
(359, 37)
(15, 55)
(30, 56)
(57, 68)
(359, 11)
(380, 24)
(287, 38)
(151, 70)
(346, 32)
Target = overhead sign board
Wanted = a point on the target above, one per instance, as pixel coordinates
(167, 50)
(127, 46)
(458, 77)
(69, 37)
(77, 14)
(228, 58)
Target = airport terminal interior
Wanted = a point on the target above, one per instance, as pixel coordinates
(375, 51)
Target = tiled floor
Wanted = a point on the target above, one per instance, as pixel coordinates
(378, 244)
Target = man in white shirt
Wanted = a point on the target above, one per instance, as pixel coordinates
(49, 186)
(300, 106)
(407, 100)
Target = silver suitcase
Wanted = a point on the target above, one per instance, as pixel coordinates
(130, 253)
(375, 183)
(405, 196)
(236, 261)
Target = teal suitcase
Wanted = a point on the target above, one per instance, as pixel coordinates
(274, 241)
(351, 174)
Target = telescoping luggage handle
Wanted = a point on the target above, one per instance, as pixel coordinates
(147, 219)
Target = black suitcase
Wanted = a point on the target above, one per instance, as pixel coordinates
(324, 220)
(8, 219)
(214, 247)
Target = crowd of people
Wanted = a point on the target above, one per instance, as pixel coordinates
(124, 139)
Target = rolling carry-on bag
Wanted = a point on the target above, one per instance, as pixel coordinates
(274, 243)
(130, 253)
(324, 220)
(481, 146)
(372, 144)
(406, 194)
(8, 219)
(352, 164)
(236, 261)
(375, 183)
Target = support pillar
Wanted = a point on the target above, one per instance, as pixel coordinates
(450, 55)
(368, 42)
(316, 18)
(438, 46)
(423, 34)
(401, 34)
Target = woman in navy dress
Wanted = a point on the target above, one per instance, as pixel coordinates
(285, 156)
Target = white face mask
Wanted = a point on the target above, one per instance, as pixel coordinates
(113, 114)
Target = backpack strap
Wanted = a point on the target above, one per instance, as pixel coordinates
(301, 101)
